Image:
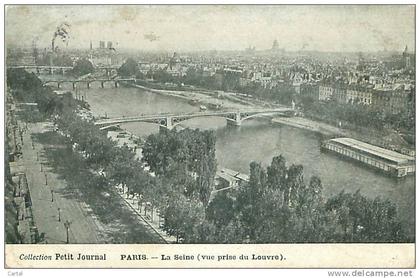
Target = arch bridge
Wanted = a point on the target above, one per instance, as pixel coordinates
(90, 81)
(110, 69)
(50, 69)
(169, 121)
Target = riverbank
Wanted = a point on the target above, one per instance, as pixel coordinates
(231, 96)
(388, 139)
(298, 122)
(208, 99)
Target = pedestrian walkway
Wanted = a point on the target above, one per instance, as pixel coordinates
(53, 212)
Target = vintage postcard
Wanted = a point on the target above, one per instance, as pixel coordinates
(209, 136)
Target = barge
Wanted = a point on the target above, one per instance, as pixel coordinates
(390, 162)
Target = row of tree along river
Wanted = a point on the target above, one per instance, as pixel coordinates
(258, 140)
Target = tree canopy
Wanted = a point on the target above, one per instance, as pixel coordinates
(82, 67)
(129, 68)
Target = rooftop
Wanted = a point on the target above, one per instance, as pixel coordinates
(374, 150)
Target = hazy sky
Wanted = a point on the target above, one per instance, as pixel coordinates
(185, 28)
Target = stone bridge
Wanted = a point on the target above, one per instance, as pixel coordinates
(38, 69)
(62, 69)
(169, 121)
(90, 81)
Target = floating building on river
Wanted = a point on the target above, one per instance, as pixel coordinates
(391, 162)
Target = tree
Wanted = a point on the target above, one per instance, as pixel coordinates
(275, 223)
(249, 200)
(220, 210)
(140, 75)
(232, 233)
(360, 219)
(128, 68)
(163, 76)
(27, 87)
(294, 185)
(185, 159)
(83, 67)
(276, 173)
(122, 168)
(278, 206)
(182, 217)
(157, 150)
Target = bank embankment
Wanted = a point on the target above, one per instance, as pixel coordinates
(221, 100)
(387, 139)
(298, 122)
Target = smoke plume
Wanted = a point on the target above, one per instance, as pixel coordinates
(62, 32)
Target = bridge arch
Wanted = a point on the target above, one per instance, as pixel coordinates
(256, 115)
(88, 82)
(159, 122)
(178, 121)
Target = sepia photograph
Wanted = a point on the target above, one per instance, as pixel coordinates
(209, 127)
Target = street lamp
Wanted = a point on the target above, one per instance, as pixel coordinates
(67, 226)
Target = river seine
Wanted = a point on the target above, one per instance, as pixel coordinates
(259, 140)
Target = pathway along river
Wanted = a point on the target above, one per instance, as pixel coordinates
(260, 140)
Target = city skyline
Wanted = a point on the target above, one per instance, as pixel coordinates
(151, 28)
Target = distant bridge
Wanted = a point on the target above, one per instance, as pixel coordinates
(90, 81)
(169, 121)
(49, 69)
(61, 69)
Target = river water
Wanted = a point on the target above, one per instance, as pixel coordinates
(260, 140)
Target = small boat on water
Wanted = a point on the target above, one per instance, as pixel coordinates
(193, 101)
(203, 108)
(215, 106)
